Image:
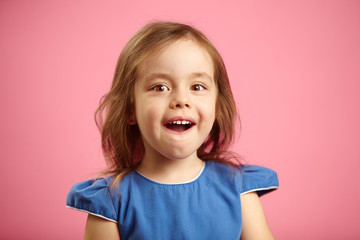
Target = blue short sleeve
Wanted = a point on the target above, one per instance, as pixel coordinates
(258, 179)
(94, 197)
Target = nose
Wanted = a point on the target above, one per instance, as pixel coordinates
(180, 100)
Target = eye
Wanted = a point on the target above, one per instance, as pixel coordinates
(198, 87)
(160, 88)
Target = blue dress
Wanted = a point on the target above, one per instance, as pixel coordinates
(206, 208)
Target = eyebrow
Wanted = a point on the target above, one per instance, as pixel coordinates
(201, 75)
(153, 76)
(168, 77)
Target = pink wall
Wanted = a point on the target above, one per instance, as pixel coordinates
(295, 72)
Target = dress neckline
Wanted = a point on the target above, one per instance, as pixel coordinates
(170, 184)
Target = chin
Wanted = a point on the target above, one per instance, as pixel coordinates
(180, 156)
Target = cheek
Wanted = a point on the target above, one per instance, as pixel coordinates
(148, 115)
(209, 112)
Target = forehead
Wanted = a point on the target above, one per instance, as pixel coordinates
(180, 57)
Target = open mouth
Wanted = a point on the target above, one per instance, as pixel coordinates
(179, 125)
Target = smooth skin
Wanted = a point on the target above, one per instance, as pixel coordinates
(98, 228)
(255, 226)
(254, 223)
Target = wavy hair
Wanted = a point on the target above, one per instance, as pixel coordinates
(121, 142)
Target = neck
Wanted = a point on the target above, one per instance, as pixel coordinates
(165, 170)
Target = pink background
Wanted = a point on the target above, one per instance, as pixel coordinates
(295, 73)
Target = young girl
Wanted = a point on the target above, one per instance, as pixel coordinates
(168, 121)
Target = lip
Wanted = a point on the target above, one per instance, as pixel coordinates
(179, 118)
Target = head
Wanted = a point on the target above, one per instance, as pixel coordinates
(121, 137)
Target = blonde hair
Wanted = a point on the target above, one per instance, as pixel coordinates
(121, 142)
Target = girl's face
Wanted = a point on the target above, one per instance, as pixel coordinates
(175, 98)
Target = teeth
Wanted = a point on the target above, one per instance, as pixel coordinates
(181, 122)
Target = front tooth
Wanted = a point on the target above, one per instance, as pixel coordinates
(183, 122)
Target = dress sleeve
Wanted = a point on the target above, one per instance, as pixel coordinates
(93, 197)
(258, 179)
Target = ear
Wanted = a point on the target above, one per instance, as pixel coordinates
(132, 119)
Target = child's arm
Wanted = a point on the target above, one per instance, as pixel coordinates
(99, 228)
(254, 221)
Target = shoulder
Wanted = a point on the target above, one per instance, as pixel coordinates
(221, 168)
(258, 179)
(222, 177)
(249, 178)
(94, 197)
